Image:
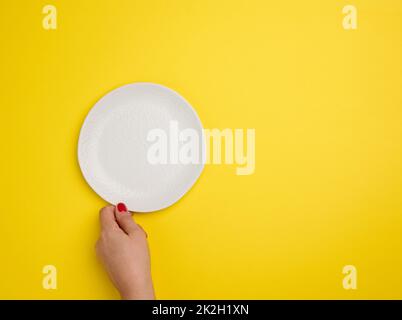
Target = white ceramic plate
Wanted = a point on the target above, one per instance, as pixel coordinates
(113, 147)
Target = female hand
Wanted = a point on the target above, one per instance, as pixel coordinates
(123, 249)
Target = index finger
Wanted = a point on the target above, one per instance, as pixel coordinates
(107, 218)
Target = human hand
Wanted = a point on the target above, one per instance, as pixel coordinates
(123, 249)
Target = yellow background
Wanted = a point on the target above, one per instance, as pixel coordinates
(326, 104)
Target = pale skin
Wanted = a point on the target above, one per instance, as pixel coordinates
(123, 249)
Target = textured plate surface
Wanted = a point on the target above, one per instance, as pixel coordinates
(113, 147)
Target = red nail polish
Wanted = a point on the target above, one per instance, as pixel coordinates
(121, 207)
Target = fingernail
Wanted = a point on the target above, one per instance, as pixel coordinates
(121, 207)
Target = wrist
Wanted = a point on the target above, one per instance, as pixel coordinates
(144, 291)
(133, 295)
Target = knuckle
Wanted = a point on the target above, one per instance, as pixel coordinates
(103, 236)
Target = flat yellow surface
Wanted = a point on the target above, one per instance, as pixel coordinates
(326, 104)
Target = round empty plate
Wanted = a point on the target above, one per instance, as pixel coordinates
(141, 144)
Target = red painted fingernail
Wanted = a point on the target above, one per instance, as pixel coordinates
(121, 207)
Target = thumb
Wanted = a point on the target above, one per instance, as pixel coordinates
(124, 219)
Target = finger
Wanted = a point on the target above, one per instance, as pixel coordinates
(142, 229)
(124, 219)
(107, 218)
